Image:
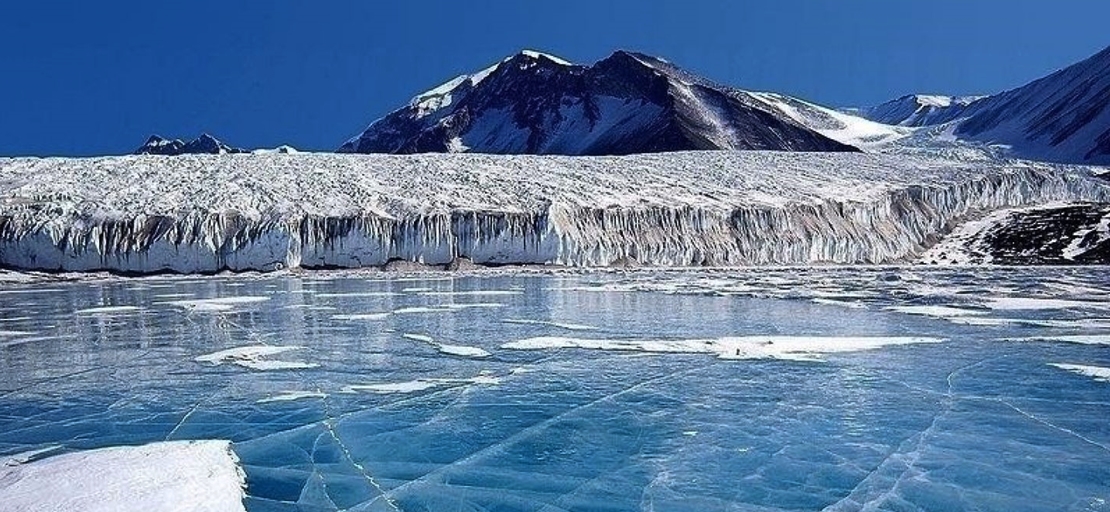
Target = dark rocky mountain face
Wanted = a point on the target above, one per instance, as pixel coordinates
(204, 144)
(1062, 117)
(1065, 235)
(533, 103)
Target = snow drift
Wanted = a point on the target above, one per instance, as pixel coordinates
(206, 213)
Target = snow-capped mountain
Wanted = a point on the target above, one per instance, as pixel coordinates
(204, 144)
(283, 149)
(534, 103)
(1062, 117)
(917, 110)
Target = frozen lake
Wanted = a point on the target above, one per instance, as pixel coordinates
(785, 389)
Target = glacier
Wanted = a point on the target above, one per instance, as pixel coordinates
(209, 213)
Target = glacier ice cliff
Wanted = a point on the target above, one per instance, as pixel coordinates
(207, 213)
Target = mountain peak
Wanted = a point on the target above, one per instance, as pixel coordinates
(918, 109)
(203, 144)
(533, 54)
(628, 102)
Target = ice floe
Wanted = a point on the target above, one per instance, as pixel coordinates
(462, 350)
(560, 325)
(413, 386)
(289, 396)
(217, 304)
(361, 316)
(345, 295)
(936, 311)
(1081, 339)
(107, 310)
(1037, 303)
(418, 337)
(797, 348)
(453, 350)
(255, 357)
(841, 303)
(474, 293)
(445, 308)
(198, 476)
(1098, 373)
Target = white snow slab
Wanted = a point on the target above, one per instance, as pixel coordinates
(1098, 373)
(217, 304)
(191, 476)
(1082, 339)
(462, 351)
(418, 337)
(413, 386)
(1034, 303)
(451, 350)
(445, 308)
(361, 316)
(254, 357)
(560, 325)
(289, 396)
(473, 293)
(107, 310)
(797, 348)
(936, 311)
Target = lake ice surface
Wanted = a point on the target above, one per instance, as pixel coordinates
(915, 389)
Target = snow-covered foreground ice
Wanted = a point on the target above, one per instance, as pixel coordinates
(181, 475)
(205, 213)
(958, 389)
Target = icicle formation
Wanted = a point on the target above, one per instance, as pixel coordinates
(264, 212)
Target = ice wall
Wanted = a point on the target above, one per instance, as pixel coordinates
(264, 212)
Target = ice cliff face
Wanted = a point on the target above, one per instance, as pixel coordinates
(205, 213)
(627, 103)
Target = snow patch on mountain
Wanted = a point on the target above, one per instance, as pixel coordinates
(848, 129)
(917, 110)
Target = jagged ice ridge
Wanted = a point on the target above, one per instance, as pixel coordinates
(206, 213)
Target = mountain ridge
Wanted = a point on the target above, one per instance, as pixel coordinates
(626, 103)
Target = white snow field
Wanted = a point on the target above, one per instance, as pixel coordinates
(196, 476)
(206, 213)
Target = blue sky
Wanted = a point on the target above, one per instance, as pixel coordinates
(85, 78)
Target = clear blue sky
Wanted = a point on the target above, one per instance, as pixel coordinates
(83, 77)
